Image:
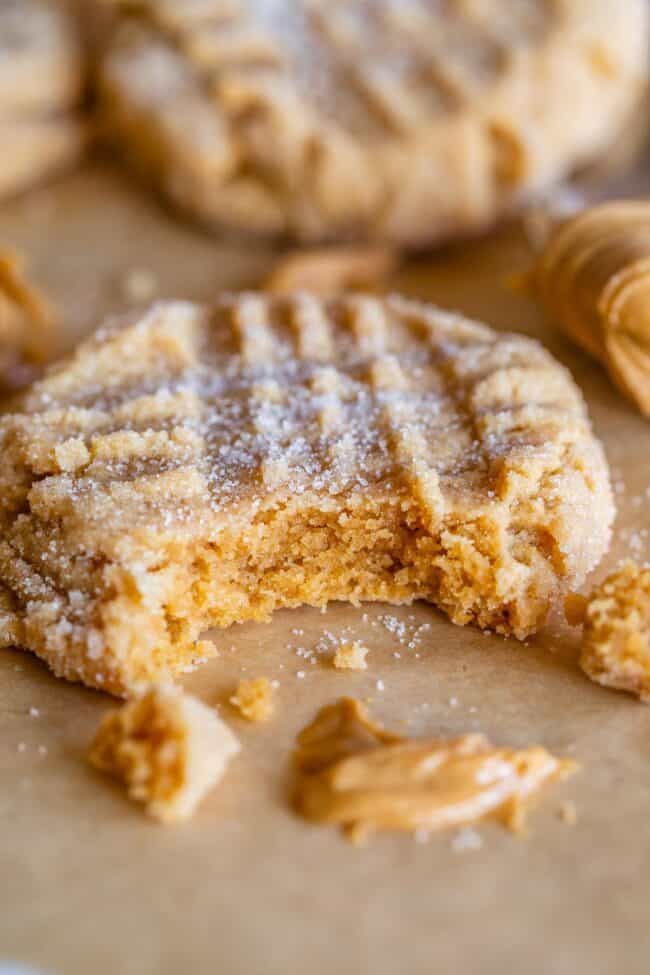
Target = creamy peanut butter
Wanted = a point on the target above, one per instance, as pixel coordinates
(352, 772)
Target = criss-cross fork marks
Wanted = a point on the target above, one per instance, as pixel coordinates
(398, 120)
(205, 465)
(386, 65)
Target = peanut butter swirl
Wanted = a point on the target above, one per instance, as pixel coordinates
(353, 773)
(593, 279)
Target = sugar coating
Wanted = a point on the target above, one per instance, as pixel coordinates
(193, 466)
(616, 637)
(384, 119)
(167, 747)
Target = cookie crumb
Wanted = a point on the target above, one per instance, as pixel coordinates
(167, 747)
(616, 637)
(139, 285)
(575, 605)
(568, 812)
(351, 656)
(254, 699)
(330, 270)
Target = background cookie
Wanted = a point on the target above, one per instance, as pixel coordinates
(400, 121)
(41, 85)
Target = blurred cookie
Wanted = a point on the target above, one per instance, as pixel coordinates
(395, 120)
(41, 86)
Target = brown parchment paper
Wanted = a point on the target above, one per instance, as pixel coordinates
(89, 885)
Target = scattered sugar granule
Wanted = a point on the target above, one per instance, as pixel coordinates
(351, 656)
(139, 285)
(380, 685)
(466, 839)
(21, 746)
(42, 750)
(453, 702)
(568, 812)
(254, 699)
(300, 674)
(34, 712)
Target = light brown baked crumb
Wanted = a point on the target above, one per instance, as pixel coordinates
(254, 699)
(139, 285)
(616, 637)
(353, 773)
(330, 270)
(568, 812)
(351, 656)
(167, 747)
(575, 606)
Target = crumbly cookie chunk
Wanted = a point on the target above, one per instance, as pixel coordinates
(41, 86)
(254, 699)
(351, 656)
(380, 119)
(192, 466)
(616, 636)
(352, 773)
(27, 325)
(168, 748)
(328, 271)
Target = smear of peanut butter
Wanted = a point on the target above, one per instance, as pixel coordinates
(353, 773)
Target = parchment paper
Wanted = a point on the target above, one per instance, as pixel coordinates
(89, 885)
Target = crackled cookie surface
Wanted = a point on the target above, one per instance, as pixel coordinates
(195, 467)
(41, 84)
(400, 120)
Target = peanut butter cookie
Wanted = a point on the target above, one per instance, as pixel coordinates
(394, 120)
(198, 466)
(41, 85)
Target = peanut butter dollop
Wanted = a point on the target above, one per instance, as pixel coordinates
(353, 773)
